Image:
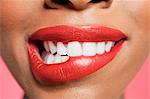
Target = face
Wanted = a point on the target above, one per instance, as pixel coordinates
(21, 19)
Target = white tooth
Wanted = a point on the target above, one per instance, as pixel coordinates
(100, 48)
(89, 48)
(108, 46)
(52, 47)
(61, 49)
(64, 58)
(44, 57)
(74, 49)
(57, 59)
(113, 44)
(49, 59)
(46, 46)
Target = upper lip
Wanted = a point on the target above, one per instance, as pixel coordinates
(66, 33)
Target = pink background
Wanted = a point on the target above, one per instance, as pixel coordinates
(139, 88)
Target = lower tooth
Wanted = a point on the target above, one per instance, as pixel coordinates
(57, 59)
(49, 59)
(64, 58)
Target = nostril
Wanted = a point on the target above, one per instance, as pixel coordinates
(97, 1)
(103, 3)
(55, 4)
(61, 2)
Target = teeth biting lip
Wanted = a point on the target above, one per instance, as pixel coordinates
(60, 52)
(77, 67)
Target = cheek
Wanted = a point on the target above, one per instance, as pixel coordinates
(139, 10)
(16, 13)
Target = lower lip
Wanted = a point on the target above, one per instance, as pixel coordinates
(75, 68)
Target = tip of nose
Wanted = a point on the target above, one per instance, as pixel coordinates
(79, 4)
(78, 7)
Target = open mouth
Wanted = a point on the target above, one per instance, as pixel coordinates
(59, 54)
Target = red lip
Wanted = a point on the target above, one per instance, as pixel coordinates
(76, 67)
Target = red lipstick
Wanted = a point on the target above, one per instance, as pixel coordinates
(76, 67)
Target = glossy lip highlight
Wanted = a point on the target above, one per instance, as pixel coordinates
(76, 67)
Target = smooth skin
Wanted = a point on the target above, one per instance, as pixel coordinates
(20, 18)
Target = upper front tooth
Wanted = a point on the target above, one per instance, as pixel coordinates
(61, 49)
(108, 46)
(100, 48)
(52, 47)
(74, 49)
(89, 48)
(46, 46)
